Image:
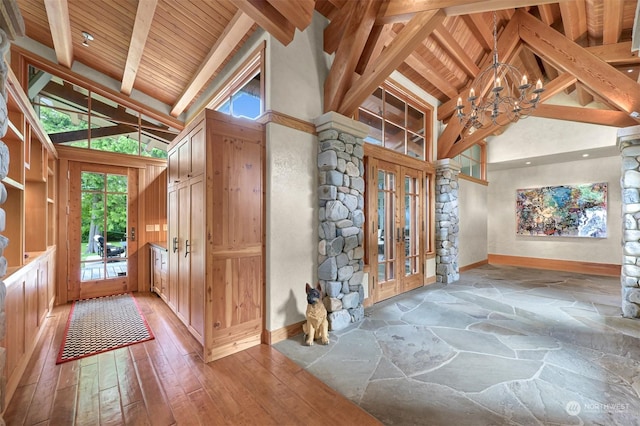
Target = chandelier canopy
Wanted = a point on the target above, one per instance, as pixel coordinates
(509, 93)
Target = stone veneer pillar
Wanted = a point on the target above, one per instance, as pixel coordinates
(4, 169)
(341, 217)
(446, 221)
(629, 144)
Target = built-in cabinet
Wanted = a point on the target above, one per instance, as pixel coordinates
(216, 232)
(159, 267)
(30, 186)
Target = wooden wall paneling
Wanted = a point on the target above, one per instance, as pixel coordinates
(35, 216)
(62, 263)
(134, 281)
(197, 255)
(14, 205)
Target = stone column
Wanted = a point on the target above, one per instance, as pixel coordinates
(341, 217)
(446, 220)
(629, 144)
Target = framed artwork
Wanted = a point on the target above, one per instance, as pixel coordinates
(563, 211)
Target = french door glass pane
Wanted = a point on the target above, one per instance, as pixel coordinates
(411, 225)
(386, 209)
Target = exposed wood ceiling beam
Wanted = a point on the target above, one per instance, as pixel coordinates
(508, 43)
(488, 6)
(616, 54)
(574, 19)
(564, 54)
(424, 68)
(268, 17)
(239, 25)
(552, 89)
(97, 132)
(379, 37)
(355, 37)
(60, 27)
(530, 64)
(480, 30)
(546, 14)
(141, 26)
(416, 30)
(403, 10)
(612, 21)
(603, 117)
(457, 53)
(298, 12)
(333, 32)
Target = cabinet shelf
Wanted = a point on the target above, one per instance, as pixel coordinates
(17, 133)
(13, 184)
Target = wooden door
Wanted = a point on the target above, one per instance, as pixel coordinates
(196, 256)
(397, 228)
(184, 241)
(102, 230)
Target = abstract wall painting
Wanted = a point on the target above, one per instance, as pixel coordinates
(563, 211)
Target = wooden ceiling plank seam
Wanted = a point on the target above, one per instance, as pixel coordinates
(574, 18)
(268, 18)
(141, 27)
(455, 51)
(411, 36)
(235, 31)
(356, 33)
(394, 11)
(508, 43)
(616, 54)
(60, 28)
(299, 12)
(612, 21)
(565, 54)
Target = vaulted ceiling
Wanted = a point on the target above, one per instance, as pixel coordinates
(171, 49)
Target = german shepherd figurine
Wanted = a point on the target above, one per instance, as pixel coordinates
(317, 325)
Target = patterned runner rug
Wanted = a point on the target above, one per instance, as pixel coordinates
(103, 324)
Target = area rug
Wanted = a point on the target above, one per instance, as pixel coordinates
(103, 324)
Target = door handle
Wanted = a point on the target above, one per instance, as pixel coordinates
(186, 245)
(133, 233)
(175, 244)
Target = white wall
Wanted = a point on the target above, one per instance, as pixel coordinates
(472, 210)
(502, 215)
(295, 80)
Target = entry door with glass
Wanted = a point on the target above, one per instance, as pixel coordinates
(102, 231)
(398, 225)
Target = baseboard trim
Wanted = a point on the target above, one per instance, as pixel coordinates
(556, 265)
(275, 336)
(474, 265)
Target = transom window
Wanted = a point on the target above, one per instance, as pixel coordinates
(397, 121)
(472, 161)
(76, 116)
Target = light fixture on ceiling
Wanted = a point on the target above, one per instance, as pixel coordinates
(87, 38)
(509, 93)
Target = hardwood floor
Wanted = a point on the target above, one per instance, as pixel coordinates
(165, 382)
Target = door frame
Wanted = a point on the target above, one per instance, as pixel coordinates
(373, 156)
(75, 287)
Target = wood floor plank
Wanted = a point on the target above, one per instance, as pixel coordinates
(152, 393)
(165, 382)
(130, 392)
(136, 414)
(110, 411)
(108, 374)
(88, 394)
(64, 406)
(40, 353)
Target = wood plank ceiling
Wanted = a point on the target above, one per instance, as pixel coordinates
(171, 49)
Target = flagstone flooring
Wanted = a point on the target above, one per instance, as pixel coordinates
(503, 346)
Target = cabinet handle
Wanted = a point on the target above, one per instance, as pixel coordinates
(186, 246)
(175, 244)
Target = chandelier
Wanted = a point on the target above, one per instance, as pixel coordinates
(510, 94)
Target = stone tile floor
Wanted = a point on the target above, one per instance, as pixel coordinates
(502, 346)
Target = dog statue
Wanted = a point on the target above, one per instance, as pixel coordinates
(317, 325)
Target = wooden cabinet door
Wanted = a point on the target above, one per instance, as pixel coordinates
(184, 242)
(173, 171)
(197, 255)
(198, 141)
(173, 248)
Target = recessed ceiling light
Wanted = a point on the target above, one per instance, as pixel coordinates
(87, 38)
(528, 162)
(629, 70)
(585, 155)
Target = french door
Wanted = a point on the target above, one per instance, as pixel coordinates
(396, 205)
(102, 230)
